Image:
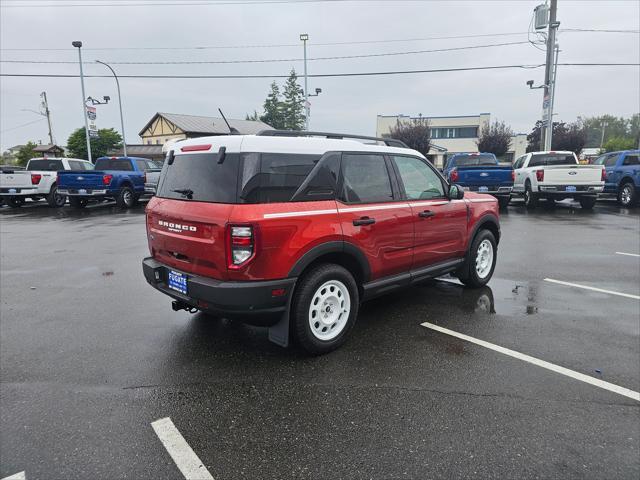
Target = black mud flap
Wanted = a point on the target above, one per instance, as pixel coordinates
(280, 333)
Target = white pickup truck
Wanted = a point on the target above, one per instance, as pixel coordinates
(556, 176)
(38, 180)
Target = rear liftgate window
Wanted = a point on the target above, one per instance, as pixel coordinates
(200, 178)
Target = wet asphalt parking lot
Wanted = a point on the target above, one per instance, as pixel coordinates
(91, 356)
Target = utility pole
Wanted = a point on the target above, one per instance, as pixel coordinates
(547, 130)
(78, 45)
(304, 37)
(47, 113)
(604, 125)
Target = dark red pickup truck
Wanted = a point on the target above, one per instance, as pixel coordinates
(295, 232)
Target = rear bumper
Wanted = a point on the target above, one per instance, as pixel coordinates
(17, 192)
(496, 191)
(250, 301)
(562, 190)
(150, 188)
(72, 192)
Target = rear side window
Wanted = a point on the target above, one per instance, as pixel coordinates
(631, 160)
(365, 179)
(273, 177)
(45, 165)
(199, 177)
(122, 164)
(538, 159)
(76, 165)
(608, 160)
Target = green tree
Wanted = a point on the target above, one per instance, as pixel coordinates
(615, 144)
(107, 139)
(566, 136)
(26, 153)
(415, 133)
(273, 109)
(293, 104)
(254, 116)
(495, 138)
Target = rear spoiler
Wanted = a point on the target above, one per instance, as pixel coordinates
(389, 142)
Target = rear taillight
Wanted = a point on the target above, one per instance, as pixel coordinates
(35, 178)
(540, 175)
(106, 179)
(453, 176)
(603, 175)
(513, 175)
(241, 245)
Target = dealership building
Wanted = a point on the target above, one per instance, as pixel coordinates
(449, 135)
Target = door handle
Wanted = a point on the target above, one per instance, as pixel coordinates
(427, 214)
(364, 221)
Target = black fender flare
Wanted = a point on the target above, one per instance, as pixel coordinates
(488, 218)
(332, 247)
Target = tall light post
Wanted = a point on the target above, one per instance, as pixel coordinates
(124, 140)
(78, 45)
(304, 37)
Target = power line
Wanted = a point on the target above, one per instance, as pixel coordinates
(23, 125)
(155, 3)
(325, 75)
(274, 60)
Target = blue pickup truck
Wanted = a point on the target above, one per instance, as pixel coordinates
(124, 179)
(481, 172)
(622, 171)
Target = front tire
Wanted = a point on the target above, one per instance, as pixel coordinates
(587, 203)
(627, 195)
(78, 203)
(54, 199)
(481, 262)
(126, 198)
(530, 198)
(324, 308)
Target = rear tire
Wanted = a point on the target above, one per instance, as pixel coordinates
(324, 308)
(481, 262)
(530, 198)
(15, 202)
(587, 203)
(126, 198)
(78, 203)
(54, 200)
(627, 196)
(503, 202)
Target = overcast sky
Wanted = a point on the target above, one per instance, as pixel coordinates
(347, 104)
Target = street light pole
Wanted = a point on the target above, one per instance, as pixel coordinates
(549, 136)
(124, 140)
(78, 45)
(304, 37)
(551, 43)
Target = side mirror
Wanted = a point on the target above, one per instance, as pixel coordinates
(456, 192)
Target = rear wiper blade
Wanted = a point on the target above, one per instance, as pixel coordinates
(185, 192)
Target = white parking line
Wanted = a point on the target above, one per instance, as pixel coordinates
(540, 363)
(16, 476)
(601, 290)
(629, 254)
(183, 456)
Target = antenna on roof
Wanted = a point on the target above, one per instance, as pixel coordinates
(232, 131)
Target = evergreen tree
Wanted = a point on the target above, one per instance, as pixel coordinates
(293, 103)
(273, 109)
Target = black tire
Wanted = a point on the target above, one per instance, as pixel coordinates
(77, 202)
(587, 203)
(308, 287)
(503, 202)
(530, 198)
(468, 273)
(54, 200)
(15, 202)
(627, 196)
(126, 198)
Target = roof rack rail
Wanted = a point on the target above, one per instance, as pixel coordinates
(389, 142)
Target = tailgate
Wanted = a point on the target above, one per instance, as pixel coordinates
(189, 235)
(80, 179)
(484, 176)
(573, 175)
(16, 179)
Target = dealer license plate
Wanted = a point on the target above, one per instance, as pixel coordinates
(483, 189)
(178, 282)
(570, 188)
(82, 191)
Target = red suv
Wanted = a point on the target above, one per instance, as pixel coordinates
(293, 230)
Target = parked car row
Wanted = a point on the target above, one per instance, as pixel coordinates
(124, 179)
(550, 176)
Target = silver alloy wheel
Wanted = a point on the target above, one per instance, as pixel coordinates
(484, 259)
(127, 197)
(626, 194)
(59, 199)
(329, 310)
